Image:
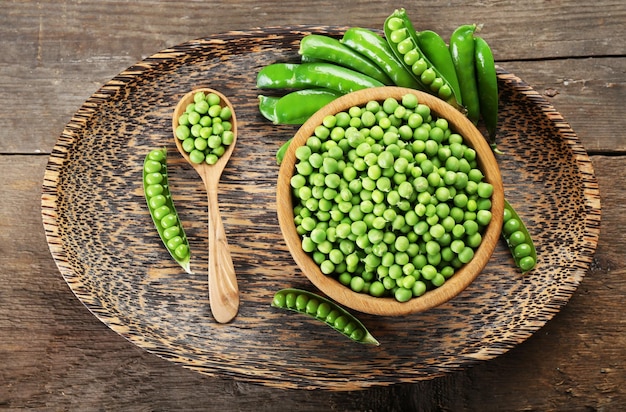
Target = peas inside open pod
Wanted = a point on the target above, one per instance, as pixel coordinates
(390, 201)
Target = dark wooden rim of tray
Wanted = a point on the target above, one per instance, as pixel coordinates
(100, 236)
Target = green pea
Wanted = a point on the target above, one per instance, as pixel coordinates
(154, 190)
(402, 294)
(483, 217)
(511, 225)
(522, 250)
(311, 306)
(196, 156)
(527, 263)
(181, 251)
(152, 166)
(174, 242)
(290, 299)
(157, 155)
(419, 288)
(153, 178)
(169, 220)
(157, 201)
(466, 255)
(182, 132)
(516, 238)
(171, 231)
(279, 300)
(323, 309)
(161, 211)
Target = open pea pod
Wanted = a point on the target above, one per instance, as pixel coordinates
(325, 310)
(161, 206)
(404, 43)
(518, 239)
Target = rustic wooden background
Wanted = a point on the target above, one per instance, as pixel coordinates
(57, 356)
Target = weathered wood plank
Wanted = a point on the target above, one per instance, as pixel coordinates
(56, 54)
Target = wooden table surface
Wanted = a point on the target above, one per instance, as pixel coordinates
(57, 356)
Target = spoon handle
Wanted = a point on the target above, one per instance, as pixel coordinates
(223, 289)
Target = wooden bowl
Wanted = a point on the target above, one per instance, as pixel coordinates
(388, 306)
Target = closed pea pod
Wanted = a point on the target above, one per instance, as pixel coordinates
(313, 75)
(320, 47)
(162, 210)
(321, 308)
(518, 239)
(487, 84)
(462, 53)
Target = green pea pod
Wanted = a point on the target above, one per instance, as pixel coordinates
(161, 206)
(316, 47)
(375, 47)
(267, 107)
(518, 239)
(277, 76)
(487, 83)
(296, 107)
(462, 53)
(402, 40)
(325, 310)
(280, 154)
(313, 75)
(437, 52)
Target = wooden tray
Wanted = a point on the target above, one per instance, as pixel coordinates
(102, 239)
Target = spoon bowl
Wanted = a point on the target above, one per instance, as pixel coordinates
(223, 288)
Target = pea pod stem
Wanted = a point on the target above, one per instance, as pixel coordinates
(462, 53)
(325, 310)
(313, 75)
(162, 209)
(316, 47)
(376, 48)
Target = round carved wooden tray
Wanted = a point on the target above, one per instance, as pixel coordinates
(101, 236)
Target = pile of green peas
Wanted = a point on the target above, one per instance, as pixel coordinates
(388, 199)
(205, 129)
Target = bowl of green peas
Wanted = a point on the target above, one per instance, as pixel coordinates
(390, 201)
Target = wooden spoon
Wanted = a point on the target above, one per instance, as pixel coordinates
(223, 289)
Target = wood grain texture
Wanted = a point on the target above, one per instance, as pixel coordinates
(120, 273)
(58, 356)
